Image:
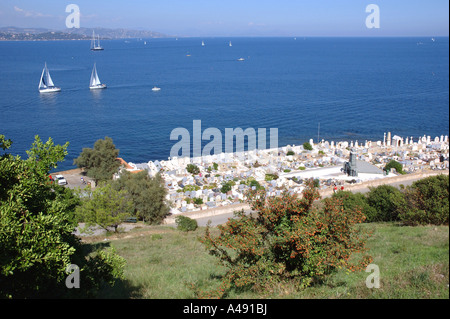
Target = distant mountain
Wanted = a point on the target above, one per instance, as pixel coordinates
(36, 34)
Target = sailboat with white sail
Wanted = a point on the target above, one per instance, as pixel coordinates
(95, 83)
(46, 84)
(95, 44)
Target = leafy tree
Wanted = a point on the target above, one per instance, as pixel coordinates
(288, 241)
(290, 152)
(193, 169)
(425, 202)
(101, 161)
(381, 199)
(105, 207)
(148, 195)
(36, 230)
(307, 146)
(226, 187)
(396, 165)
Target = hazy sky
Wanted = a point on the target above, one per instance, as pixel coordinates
(238, 17)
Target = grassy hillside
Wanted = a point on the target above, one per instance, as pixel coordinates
(163, 262)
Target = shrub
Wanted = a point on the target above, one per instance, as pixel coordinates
(307, 146)
(425, 202)
(396, 165)
(185, 223)
(382, 200)
(198, 201)
(287, 242)
(226, 187)
(271, 177)
(290, 152)
(192, 169)
(353, 201)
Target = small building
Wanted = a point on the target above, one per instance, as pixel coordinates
(355, 167)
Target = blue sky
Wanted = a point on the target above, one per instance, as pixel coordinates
(238, 17)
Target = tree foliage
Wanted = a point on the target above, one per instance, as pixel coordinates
(185, 223)
(36, 230)
(307, 146)
(99, 162)
(287, 241)
(382, 200)
(105, 207)
(148, 195)
(396, 165)
(426, 201)
(193, 169)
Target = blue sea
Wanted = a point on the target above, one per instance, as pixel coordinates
(354, 88)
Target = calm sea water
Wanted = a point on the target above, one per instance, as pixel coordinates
(356, 88)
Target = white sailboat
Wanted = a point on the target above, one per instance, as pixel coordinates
(95, 45)
(95, 83)
(203, 43)
(46, 84)
(230, 44)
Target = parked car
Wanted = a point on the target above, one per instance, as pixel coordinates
(61, 180)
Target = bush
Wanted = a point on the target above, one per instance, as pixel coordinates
(290, 152)
(307, 146)
(271, 177)
(353, 201)
(396, 165)
(193, 169)
(226, 187)
(382, 200)
(185, 223)
(425, 202)
(287, 242)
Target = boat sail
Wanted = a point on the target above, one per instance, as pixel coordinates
(46, 84)
(95, 81)
(230, 44)
(95, 45)
(203, 43)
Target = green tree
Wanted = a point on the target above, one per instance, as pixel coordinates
(192, 169)
(286, 241)
(36, 230)
(148, 195)
(226, 187)
(105, 207)
(396, 165)
(100, 162)
(307, 146)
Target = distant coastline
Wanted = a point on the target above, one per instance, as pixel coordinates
(40, 34)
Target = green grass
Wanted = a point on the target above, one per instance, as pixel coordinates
(163, 263)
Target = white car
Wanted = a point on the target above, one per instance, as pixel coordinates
(61, 180)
